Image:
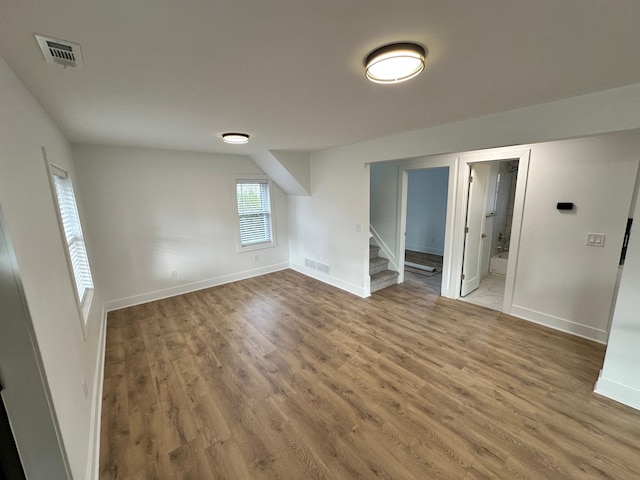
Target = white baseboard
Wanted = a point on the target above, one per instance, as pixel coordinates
(334, 282)
(429, 250)
(561, 324)
(616, 391)
(191, 287)
(93, 472)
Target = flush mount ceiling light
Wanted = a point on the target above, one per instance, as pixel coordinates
(235, 138)
(395, 63)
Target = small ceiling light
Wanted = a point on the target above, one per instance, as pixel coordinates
(395, 63)
(235, 138)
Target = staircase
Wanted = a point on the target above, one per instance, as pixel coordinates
(381, 276)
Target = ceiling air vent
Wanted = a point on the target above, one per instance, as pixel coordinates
(63, 53)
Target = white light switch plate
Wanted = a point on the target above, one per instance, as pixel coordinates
(596, 239)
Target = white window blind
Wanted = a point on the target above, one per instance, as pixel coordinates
(73, 233)
(254, 212)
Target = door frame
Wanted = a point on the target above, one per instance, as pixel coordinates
(499, 154)
(425, 163)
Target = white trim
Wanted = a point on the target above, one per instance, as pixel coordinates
(190, 287)
(616, 290)
(495, 154)
(50, 169)
(516, 229)
(93, 465)
(56, 170)
(272, 216)
(401, 223)
(366, 278)
(562, 324)
(85, 306)
(618, 392)
(334, 282)
(423, 163)
(384, 247)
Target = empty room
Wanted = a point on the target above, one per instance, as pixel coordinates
(331, 240)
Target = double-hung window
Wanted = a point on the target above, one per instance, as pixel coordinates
(255, 222)
(68, 214)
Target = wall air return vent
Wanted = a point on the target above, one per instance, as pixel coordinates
(63, 53)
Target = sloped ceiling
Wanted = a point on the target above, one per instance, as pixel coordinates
(169, 74)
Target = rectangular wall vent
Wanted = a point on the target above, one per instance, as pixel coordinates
(321, 267)
(60, 52)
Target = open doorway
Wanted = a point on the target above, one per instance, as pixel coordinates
(490, 209)
(426, 215)
(424, 219)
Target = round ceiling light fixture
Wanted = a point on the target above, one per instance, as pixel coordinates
(395, 63)
(235, 138)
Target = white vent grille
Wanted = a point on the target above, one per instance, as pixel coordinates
(61, 52)
(321, 267)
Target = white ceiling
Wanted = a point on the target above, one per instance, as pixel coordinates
(176, 74)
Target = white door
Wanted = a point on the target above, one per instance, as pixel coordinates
(474, 232)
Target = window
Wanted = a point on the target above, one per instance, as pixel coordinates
(68, 211)
(254, 213)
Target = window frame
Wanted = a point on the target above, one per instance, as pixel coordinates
(83, 304)
(253, 178)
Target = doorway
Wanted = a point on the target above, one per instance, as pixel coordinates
(426, 215)
(488, 232)
(493, 200)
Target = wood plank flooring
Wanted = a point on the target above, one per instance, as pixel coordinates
(283, 377)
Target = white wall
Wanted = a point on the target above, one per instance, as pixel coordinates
(341, 172)
(427, 210)
(560, 281)
(586, 115)
(32, 225)
(620, 375)
(331, 224)
(24, 390)
(606, 111)
(150, 212)
(384, 207)
(554, 283)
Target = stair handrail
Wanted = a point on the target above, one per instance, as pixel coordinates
(385, 249)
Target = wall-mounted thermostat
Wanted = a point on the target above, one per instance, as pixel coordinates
(564, 206)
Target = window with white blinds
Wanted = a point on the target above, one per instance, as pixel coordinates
(73, 233)
(254, 212)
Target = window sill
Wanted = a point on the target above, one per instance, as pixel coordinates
(258, 246)
(85, 306)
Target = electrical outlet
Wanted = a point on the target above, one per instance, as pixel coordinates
(174, 273)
